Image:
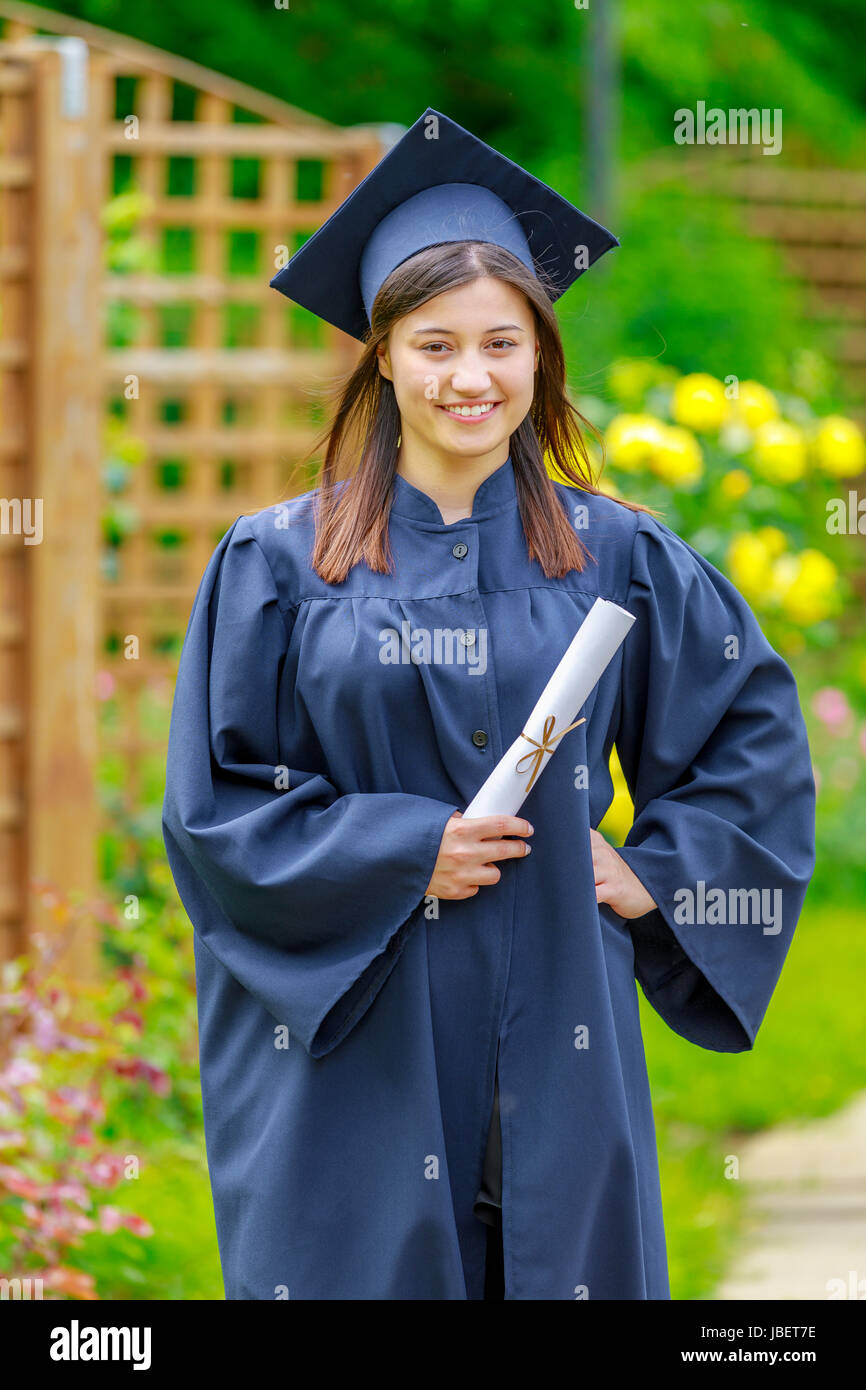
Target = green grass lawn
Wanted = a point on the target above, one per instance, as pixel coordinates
(808, 1059)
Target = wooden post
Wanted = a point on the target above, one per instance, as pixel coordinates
(65, 476)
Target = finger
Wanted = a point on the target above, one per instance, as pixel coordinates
(494, 827)
(504, 849)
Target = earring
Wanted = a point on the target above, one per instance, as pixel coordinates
(399, 440)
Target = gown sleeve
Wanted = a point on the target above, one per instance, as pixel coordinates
(713, 746)
(304, 895)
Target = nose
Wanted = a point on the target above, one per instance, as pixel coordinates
(470, 376)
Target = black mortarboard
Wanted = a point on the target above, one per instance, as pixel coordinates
(437, 183)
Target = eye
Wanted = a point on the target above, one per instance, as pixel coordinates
(429, 346)
(502, 342)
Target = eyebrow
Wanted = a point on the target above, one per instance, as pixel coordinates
(500, 328)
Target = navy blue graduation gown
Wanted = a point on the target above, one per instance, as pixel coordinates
(349, 1024)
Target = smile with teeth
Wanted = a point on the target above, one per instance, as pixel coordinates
(471, 412)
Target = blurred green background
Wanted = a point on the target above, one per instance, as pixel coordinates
(722, 403)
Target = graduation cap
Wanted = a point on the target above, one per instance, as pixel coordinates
(438, 183)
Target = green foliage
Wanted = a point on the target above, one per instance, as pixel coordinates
(388, 61)
(687, 287)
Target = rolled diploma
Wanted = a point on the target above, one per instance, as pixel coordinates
(596, 641)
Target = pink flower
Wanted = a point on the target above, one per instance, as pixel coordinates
(19, 1072)
(105, 1170)
(832, 708)
(46, 1034)
(71, 1192)
(22, 1186)
(137, 1224)
(105, 685)
(863, 740)
(110, 1219)
(129, 1016)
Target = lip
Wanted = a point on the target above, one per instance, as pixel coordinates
(470, 419)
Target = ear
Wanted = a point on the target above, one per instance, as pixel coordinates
(384, 364)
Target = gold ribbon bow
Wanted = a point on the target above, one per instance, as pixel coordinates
(545, 746)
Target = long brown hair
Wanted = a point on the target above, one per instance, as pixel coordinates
(353, 504)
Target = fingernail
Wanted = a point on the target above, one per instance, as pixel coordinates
(528, 848)
(531, 830)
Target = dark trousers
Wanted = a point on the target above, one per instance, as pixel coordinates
(494, 1269)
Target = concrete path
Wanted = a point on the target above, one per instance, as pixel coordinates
(806, 1232)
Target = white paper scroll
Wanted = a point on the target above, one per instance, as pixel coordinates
(596, 641)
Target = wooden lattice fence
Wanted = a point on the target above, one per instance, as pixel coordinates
(152, 388)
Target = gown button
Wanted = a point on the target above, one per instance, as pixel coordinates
(479, 738)
(460, 550)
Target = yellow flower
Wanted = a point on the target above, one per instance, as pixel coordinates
(755, 404)
(749, 563)
(805, 585)
(780, 454)
(631, 440)
(678, 457)
(736, 484)
(839, 447)
(630, 378)
(699, 402)
(619, 815)
(775, 540)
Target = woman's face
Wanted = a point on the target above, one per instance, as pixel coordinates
(463, 370)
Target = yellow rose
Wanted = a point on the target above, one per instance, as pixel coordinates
(840, 449)
(806, 586)
(631, 440)
(699, 402)
(755, 404)
(749, 563)
(736, 484)
(774, 540)
(678, 458)
(618, 817)
(779, 452)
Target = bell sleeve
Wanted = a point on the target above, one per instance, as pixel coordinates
(304, 895)
(714, 750)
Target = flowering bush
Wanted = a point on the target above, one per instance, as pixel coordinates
(762, 486)
(750, 479)
(74, 1059)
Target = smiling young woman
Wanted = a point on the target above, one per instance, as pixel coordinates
(422, 1067)
(440, 340)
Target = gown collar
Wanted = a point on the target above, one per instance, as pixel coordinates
(494, 494)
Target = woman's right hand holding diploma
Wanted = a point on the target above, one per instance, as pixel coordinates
(467, 848)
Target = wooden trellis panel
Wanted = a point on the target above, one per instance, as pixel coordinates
(221, 410)
(17, 101)
(153, 401)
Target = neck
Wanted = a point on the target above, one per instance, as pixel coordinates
(451, 481)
